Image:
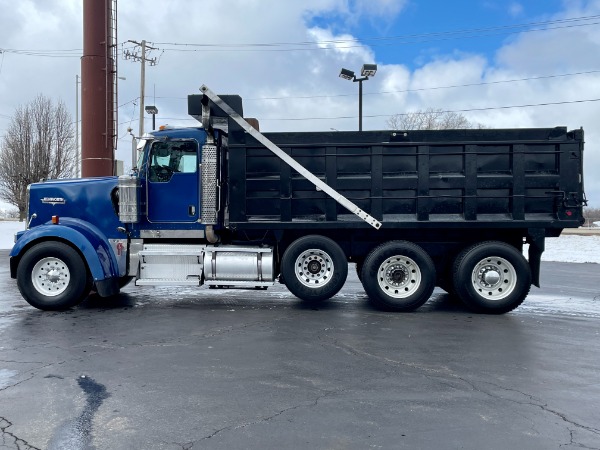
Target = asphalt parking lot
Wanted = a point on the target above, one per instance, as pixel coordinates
(171, 368)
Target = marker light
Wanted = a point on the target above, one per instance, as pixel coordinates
(55, 220)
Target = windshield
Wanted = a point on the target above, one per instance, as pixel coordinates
(169, 157)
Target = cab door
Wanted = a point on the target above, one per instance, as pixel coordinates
(173, 181)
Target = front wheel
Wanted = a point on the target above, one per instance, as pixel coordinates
(398, 276)
(492, 277)
(314, 268)
(52, 276)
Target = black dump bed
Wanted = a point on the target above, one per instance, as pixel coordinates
(406, 179)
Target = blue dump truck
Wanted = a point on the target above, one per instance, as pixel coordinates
(223, 205)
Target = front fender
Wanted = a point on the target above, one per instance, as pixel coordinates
(83, 236)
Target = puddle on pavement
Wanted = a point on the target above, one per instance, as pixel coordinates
(76, 434)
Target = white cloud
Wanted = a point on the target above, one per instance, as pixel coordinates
(344, 45)
(515, 9)
(376, 9)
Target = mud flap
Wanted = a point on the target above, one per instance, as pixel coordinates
(536, 239)
(107, 287)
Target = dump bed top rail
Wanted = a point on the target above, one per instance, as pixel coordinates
(478, 178)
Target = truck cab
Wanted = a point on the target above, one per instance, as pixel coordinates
(170, 164)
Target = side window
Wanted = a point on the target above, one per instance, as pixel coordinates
(168, 158)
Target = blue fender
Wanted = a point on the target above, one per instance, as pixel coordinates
(87, 238)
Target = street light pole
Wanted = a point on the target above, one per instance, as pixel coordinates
(154, 111)
(360, 82)
(368, 70)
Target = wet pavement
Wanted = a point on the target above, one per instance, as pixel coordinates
(182, 368)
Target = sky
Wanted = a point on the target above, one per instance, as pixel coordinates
(504, 64)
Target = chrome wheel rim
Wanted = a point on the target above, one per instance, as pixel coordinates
(50, 276)
(314, 268)
(399, 276)
(494, 278)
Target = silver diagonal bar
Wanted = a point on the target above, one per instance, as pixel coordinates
(289, 160)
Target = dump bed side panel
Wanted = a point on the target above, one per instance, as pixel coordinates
(449, 178)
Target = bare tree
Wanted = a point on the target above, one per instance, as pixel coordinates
(11, 213)
(430, 119)
(38, 145)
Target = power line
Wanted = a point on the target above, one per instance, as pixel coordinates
(130, 101)
(483, 83)
(386, 38)
(45, 53)
(470, 33)
(54, 53)
(405, 39)
(490, 108)
(431, 88)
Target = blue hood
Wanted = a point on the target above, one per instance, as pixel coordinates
(88, 199)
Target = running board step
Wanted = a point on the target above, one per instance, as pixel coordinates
(170, 265)
(166, 282)
(246, 284)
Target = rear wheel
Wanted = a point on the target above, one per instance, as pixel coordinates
(52, 276)
(398, 276)
(314, 268)
(492, 277)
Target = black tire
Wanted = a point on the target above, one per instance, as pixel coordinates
(314, 268)
(61, 278)
(398, 276)
(491, 277)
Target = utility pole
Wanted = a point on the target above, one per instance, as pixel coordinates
(142, 58)
(142, 87)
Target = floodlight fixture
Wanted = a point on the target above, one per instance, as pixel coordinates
(368, 70)
(154, 111)
(347, 75)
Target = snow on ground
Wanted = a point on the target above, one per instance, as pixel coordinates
(571, 248)
(567, 248)
(8, 228)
